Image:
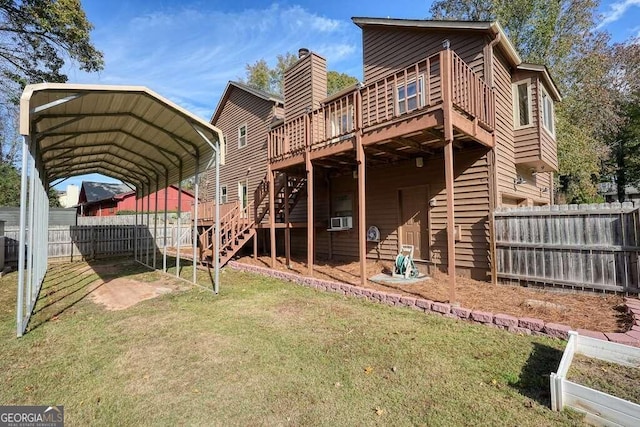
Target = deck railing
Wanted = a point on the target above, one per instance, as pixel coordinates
(471, 94)
(207, 210)
(417, 87)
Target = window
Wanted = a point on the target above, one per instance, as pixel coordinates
(547, 112)
(522, 107)
(223, 194)
(342, 205)
(242, 136)
(410, 97)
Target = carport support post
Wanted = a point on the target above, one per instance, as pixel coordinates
(135, 230)
(30, 240)
(194, 238)
(21, 237)
(155, 226)
(179, 221)
(146, 240)
(164, 248)
(216, 255)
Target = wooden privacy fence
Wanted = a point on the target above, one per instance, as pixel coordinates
(585, 246)
(131, 219)
(99, 241)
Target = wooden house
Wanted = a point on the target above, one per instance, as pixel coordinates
(104, 199)
(447, 125)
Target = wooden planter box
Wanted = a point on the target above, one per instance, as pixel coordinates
(600, 408)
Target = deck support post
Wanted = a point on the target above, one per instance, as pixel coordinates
(362, 215)
(287, 229)
(309, 169)
(451, 242)
(447, 98)
(272, 217)
(362, 189)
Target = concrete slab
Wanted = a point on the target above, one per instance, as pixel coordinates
(387, 279)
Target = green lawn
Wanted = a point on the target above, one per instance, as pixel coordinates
(270, 353)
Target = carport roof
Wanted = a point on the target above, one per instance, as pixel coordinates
(126, 132)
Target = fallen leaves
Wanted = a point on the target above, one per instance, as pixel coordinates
(368, 370)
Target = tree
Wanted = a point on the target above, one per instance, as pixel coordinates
(261, 76)
(37, 37)
(563, 35)
(337, 81)
(271, 80)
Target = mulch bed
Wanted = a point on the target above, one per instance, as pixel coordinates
(580, 310)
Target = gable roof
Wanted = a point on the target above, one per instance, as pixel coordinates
(96, 191)
(546, 76)
(269, 97)
(494, 28)
(485, 26)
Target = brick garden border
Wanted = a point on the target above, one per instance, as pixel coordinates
(522, 325)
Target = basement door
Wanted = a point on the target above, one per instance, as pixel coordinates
(414, 224)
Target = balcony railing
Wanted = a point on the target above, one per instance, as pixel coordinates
(410, 90)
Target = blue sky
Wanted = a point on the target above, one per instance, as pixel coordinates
(188, 50)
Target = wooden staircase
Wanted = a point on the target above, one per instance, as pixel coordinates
(238, 223)
(236, 229)
(296, 186)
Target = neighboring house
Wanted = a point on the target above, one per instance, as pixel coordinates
(102, 199)
(610, 192)
(69, 197)
(448, 125)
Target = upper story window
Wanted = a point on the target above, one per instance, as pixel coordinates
(410, 96)
(522, 105)
(242, 136)
(547, 112)
(223, 194)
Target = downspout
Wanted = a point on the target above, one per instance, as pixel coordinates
(491, 162)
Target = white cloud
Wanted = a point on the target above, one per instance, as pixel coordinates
(616, 11)
(188, 54)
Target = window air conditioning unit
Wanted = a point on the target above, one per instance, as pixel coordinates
(340, 223)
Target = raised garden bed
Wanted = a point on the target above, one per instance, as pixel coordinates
(606, 366)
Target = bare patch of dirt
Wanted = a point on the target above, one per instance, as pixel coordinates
(595, 312)
(611, 378)
(122, 293)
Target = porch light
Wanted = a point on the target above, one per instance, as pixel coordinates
(419, 162)
(519, 180)
(544, 190)
(446, 44)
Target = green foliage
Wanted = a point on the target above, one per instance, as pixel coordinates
(37, 38)
(337, 81)
(271, 80)
(263, 77)
(9, 185)
(562, 34)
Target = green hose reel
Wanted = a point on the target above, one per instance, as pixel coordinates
(404, 265)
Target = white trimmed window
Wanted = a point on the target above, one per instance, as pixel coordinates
(242, 136)
(223, 194)
(547, 112)
(522, 105)
(410, 97)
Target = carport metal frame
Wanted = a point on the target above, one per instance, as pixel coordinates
(177, 144)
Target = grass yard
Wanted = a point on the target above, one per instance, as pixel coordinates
(264, 352)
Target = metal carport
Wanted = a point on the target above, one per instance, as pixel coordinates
(124, 132)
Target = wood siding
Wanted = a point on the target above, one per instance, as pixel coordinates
(383, 186)
(534, 146)
(531, 192)
(387, 50)
(247, 163)
(305, 85)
